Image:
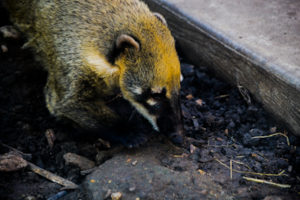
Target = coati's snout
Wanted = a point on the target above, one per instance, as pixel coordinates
(162, 112)
(170, 122)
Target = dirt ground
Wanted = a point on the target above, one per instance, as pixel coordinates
(217, 118)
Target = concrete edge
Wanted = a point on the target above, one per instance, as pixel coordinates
(243, 50)
(274, 80)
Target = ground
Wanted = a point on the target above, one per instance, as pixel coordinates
(220, 124)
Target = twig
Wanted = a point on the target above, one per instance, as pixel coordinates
(253, 173)
(42, 172)
(222, 96)
(230, 169)
(272, 135)
(266, 182)
(50, 176)
(241, 163)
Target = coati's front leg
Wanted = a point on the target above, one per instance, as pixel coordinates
(93, 116)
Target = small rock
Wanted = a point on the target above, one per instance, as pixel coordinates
(80, 161)
(201, 172)
(4, 48)
(50, 137)
(105, 143)
(199, 102)
(189, 97)
(290, 168)
(242, 190)
(9, 32)
(132, 188)
(30, 198)
(196, 124)
(273, 129)
(116, 196)
(26, 127)
(11, 162)
(226, 131)
(272, 198)
(204, 192)
(256, 132)
(134, 163)
(192, 148)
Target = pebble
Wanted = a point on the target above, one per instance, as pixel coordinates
(132, 188)
(30, 198)
(4, 48)
(192, 148)
(80, 161)
(116, 196)
(134, 162)
(189, 96)
(290, 168)
(9, 32)
(272, 198)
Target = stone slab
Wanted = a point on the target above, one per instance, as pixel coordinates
(253, 44)
(152, 173)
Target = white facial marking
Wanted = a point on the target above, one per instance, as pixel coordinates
(181, 78)
(136, 90)
(156, 89)
(147, 115)
(100, 64)
(151, 102)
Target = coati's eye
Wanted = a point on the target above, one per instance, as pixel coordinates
(159, 94)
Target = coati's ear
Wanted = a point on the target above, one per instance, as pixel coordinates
(124, 41)
(161, 18)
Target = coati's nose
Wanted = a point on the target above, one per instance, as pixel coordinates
(171, 124)
(177, 137)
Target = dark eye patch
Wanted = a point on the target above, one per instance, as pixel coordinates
(161, 95)
(160, 98)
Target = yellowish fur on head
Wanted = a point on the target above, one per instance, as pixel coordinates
(155, 65)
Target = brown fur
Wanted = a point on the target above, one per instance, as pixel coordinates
(76, 41)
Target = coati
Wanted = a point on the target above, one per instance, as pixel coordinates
(94, 50)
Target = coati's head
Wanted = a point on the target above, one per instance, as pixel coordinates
(150, 74)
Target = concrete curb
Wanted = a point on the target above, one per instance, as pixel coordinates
(268, 82)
